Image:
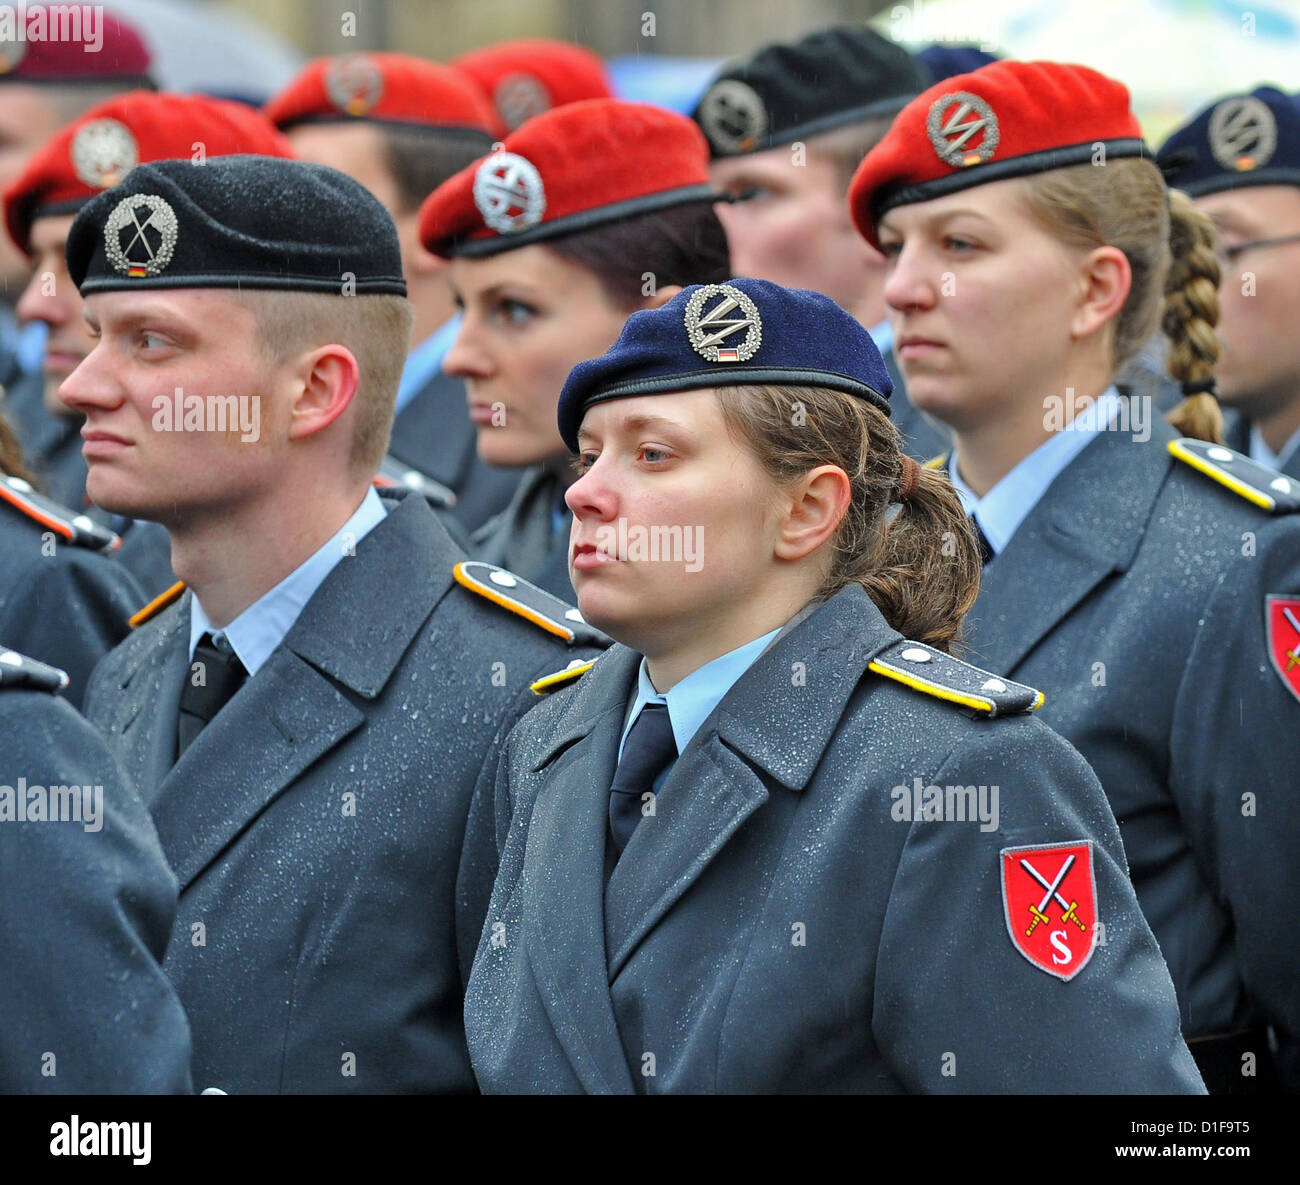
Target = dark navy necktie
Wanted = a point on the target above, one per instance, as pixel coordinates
(986, 548)
(648, 750)
(222, 675)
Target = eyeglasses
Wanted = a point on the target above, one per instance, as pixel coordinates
(1229, 254)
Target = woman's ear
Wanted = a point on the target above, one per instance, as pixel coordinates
(817, 506)
(1105, 279)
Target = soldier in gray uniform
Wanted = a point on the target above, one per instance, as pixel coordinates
(62, 598)
(89, 903)
(1145, 577)
(306, 721)
(1239, 160)
(781, 840)
(589, 211)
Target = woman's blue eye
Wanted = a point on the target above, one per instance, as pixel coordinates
(654, 455)
(516, 312)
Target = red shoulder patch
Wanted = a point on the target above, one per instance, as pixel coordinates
(1049, 897)
(1282, 618)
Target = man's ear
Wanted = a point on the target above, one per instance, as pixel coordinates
(326, 380)
(662, 296)
(818, 504)
(1105, 278)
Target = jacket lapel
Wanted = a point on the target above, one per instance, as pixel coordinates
(722, 777)
(566, 868)
(302, 703)
(1087, 526)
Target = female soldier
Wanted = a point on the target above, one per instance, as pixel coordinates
(1147, 583)
(869, 867)
(61, 600)
(588, 212)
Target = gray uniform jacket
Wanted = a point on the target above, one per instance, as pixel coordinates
(433, 433)
(64, 603)
(316, 824)
(523, 537)
(88, 910)
(774, 927)
(1134, 595)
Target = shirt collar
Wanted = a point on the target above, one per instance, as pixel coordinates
(883, 336)
(1259, 450)
(1001, 511)
(691, 700)
(260, 628)
(425, 361)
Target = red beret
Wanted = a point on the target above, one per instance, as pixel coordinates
(62, 43)
(1008, 119)
(572, 168)
(524, 78)
(382, 88)
(97, 150)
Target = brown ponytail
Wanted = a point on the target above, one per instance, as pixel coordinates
(1191, 313)
(922, 567)
(11, 456)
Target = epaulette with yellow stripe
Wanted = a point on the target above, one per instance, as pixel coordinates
(157, 605)
(526, 600)
(932, 671)
(78, 530)
(575, 670)
(1264, 487)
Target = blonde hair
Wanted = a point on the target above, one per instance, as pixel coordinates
(922, 567)
(1169, 245)
(375, 328)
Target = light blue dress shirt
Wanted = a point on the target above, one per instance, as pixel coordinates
(883, 336)
(423, 362)
(260, 628)
(1259, 450)
(690, 701)
(1001, 511)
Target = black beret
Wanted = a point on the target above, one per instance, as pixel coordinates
(783, 93)
(1239, 140)
(727, 335)
(236, 222)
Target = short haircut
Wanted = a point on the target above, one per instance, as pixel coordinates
(420, 159)
(375, 328)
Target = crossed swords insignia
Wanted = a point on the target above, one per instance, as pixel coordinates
(1070, 909)
(161, 219)
(712, 333)
(1293, 655)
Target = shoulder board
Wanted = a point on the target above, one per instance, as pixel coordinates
(939, 462)
(156, 606)
(394, 473)
(17, 670)
(575, 670)
(932, 671)
(533, 604)
(1266, 488)
(80, 530)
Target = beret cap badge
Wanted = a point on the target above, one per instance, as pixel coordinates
(354, 83)
(953, 123)
(103, 152)
(140, 235)
(1242, 133)
(732, 115)
(508, 192)
(518, 97)
(712, 332)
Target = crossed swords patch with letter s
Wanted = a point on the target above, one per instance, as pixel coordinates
(1049, 897)
(1282, 615)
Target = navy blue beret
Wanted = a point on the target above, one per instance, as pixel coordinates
(236, 222)
(1240, 140)
(728, 335)
(947, 61)
(784, 93)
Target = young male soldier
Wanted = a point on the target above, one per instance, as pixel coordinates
(401, 126)
(789, 126)
(1239, 159)
(307, 721)
(44, 82)
(92, 154)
